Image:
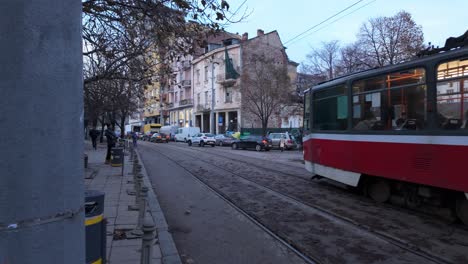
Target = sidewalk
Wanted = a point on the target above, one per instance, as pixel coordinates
(108, 179)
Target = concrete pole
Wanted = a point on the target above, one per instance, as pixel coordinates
(216, 122)
(41, 140)
(212, 131)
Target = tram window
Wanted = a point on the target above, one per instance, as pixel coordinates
(452, 95)
(390, 109)
(390, 80)
(452, 69)
(330, 113)
(452, 104)
(307, 111)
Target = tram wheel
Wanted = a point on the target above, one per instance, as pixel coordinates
(412, 199)
(461, 209)
(378, 190)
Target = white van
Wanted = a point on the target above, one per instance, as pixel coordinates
(169, 130)
(183, 133)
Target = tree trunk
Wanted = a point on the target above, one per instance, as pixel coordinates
(122, 126)
(101, 139)
(264, 126)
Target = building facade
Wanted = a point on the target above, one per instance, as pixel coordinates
(180, 95)
(216, 88)
(288, 115)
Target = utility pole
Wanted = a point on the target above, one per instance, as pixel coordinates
(41, 140)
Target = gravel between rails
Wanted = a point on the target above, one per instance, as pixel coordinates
(293, 198)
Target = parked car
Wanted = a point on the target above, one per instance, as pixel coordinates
(202, 139)
(184, 133)
(290, 143)
(146, 136)
(256, 142)
(169, 130)
(159, 137)
(224, 140)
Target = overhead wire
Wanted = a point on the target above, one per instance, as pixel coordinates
(238, 8)
(327, 19)
(339, 18)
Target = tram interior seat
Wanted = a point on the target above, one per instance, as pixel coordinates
(411, 124)
(378, 125)
(452, 123)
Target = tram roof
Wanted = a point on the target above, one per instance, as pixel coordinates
(390, 68)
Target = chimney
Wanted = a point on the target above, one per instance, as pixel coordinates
(260, 32)
(245, 36)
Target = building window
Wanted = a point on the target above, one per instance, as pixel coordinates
(198, 98)
(206, 73)
(206, 98)
(197, 76)
(175, 100)
(228, 95)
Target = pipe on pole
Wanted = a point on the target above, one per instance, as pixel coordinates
(41, 140)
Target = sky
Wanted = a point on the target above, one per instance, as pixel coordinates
(439, 20)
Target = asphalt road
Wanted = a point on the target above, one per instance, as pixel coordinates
(325, 223)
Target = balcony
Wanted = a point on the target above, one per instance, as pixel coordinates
(203, 107)
(170, 105)
(186, 65)
(186, 83)
(186, 102)
(221, 79)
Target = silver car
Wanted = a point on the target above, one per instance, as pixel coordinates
(224, 140)
(289, 142)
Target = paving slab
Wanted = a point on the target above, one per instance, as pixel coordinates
(109, 180)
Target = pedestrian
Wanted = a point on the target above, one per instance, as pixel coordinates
(111, 139)
(134, 138)
(93, 133)
(282, 142)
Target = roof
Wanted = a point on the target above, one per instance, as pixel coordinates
(409, 64)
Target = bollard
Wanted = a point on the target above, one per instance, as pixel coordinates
(85, 161)
(142, 212)
(138, 186)
(147, 241)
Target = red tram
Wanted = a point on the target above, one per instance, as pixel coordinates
(397, 129)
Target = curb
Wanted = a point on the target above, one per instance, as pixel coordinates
(169, 252)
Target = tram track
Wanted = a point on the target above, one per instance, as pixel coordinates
(305, 179)
(331, 216)
(325, 184)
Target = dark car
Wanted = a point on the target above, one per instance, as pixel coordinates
(256, 142)
(160, 137)
(224, 140)
(146, 136)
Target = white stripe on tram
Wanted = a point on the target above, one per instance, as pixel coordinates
(407, 139)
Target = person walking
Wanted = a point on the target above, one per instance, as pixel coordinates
(111, 139)
(282, 143)
(93, 133)
(134, 138)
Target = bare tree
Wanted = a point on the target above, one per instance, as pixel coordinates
(266, 86)
(352, 59)
(323, 60)
(121, 30)
(390, 40)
